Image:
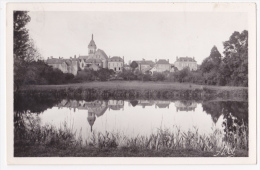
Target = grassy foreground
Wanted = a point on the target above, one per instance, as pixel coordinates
(37, 141)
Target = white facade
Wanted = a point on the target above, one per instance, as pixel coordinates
(116, 64)
(184, 62)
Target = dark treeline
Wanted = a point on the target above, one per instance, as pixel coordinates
(230, 69)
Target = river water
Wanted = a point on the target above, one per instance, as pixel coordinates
(133, 118)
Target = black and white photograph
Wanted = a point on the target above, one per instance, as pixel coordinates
(145, 81)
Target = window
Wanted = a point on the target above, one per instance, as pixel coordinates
(119, 68)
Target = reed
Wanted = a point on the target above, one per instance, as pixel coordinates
(219, 142)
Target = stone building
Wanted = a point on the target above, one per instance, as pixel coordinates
(65, 65)
(161, 65)
(184, 62)
(116, 63)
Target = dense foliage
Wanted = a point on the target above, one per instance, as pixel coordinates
(86, 75)
(38, 72)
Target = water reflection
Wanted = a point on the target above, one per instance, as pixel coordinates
(130, 119)
(185, 106)
(135, 117)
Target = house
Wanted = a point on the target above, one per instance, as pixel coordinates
(116, 63)
(145, 65)
(184, 62)
(161, 65)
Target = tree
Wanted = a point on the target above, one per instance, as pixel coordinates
(210, 67)
(21, 35)
(134, 65)
(212, 62)
(235, 62)
(158, 76)
(24, 51)
(127, 75)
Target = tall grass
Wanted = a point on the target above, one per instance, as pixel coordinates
(219, 142)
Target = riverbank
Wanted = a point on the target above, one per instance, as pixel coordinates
(131, 85)
(137, 89)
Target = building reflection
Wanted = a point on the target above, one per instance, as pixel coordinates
(97, 108)
(145, 103)
(116, 104)
(185, 105)
(162, 104)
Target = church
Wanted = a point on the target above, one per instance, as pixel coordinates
(95, 60)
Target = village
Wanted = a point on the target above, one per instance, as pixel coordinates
(97, 59)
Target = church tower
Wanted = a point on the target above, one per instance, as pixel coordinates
(92, 46)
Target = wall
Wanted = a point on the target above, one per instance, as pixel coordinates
(182, 65)
(117, 65)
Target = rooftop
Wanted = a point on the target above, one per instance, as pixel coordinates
(92, 43)
(162, 61)
(102, 53)
(185, 59)
(145, 62)
(83, 57)
(92, 60)
(54, 61)
(115, 58)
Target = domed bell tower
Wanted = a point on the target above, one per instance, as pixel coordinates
(92, 46)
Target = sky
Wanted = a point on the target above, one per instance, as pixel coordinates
(134, 35)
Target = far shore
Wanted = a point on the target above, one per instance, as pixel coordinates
(132, 85)
(139, 90)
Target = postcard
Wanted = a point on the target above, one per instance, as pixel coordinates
(131, 83)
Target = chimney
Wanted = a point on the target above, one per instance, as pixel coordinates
(193, 58)
(143, 59)
(129, 62)
(74, 56)
(155, 60)
(168, 60)
(59, 57)
(92, 36)
(177, 58)
(51, 57)
(70, 57)
(48, 57)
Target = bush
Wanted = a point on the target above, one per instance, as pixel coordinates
(158, 76)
